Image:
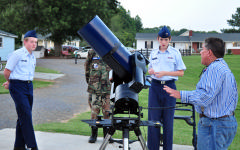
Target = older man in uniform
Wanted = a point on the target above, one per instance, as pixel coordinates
(19, 73)
(97, 77)
(165, 66)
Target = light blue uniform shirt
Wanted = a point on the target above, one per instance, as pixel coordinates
(21, 64)
(216, 91)
(170, 60)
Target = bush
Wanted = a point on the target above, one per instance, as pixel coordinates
(229, 52)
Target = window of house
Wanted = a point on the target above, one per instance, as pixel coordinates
(148, 44)
(236, 44)
(1, 42)
(72, 43)
(173, 44)
(199, 45)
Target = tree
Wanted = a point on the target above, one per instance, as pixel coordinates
(124, 26)
(138, 23)
(235, 21)
(62, 19)
(230, 30)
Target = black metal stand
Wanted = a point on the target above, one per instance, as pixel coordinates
(125, 137)
(125, 124)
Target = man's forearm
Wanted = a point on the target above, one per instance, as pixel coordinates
(7, 73)
(175, 73)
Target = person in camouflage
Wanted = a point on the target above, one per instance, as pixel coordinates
(97, 77)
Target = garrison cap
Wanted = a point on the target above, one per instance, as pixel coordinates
(31, 33)
(164, 32)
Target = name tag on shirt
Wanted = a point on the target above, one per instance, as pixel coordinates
(23, 60)
(170, 57)
(154, 58)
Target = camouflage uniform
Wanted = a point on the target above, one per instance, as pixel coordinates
(96, 72)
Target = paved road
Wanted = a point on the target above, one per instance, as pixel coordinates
(58, 102)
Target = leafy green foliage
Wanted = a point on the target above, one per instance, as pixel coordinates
(62, 19)
(234, 22)
(173, 32)
(125, 27)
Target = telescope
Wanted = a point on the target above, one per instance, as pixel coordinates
(128, 79)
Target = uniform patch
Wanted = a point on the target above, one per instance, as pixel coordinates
(170, 57)
(95, 66)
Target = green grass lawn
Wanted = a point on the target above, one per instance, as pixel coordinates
(36, 83)
(45, 70)
(182, 132)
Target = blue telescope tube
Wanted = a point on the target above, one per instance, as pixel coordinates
(108, 47)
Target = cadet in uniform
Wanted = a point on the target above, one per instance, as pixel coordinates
(165, 66)
(99, 87)
(19, 73)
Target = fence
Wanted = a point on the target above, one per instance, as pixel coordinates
(185, 52)
(146, 52)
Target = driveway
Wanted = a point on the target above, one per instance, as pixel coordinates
(58, 102)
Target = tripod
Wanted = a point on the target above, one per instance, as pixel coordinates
(125, 124)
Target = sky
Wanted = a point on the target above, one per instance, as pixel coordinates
(197, 15)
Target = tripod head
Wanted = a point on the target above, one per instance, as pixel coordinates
(128, 75)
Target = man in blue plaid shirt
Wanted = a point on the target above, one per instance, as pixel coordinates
(215, 99)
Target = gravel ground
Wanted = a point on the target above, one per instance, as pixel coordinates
(58, 102)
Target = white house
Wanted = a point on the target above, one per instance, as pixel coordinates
(189, 40)
(7, 44)
(44, 43)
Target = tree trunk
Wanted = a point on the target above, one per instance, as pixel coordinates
(58, 48)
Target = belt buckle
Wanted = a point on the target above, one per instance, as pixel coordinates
(28, 81)
(163, 82)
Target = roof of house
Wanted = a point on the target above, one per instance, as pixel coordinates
(226, 37)
(196, 37)
(146, 36)
(3, 33)
(43, 37)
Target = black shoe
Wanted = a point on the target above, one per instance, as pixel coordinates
(105, 131)
(93, 137)
(32, 148)
(19, 148)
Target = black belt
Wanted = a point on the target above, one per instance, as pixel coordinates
(163, 82)
(20, 81)
(202, 115)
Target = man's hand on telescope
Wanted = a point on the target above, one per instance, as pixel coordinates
(172, 92)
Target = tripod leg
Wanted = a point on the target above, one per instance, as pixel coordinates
(140, 138)
(125, 139)
(106, 139)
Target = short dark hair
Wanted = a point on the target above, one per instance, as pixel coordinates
(216, 45)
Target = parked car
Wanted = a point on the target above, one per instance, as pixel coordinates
(82, 53)
(50, 49)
